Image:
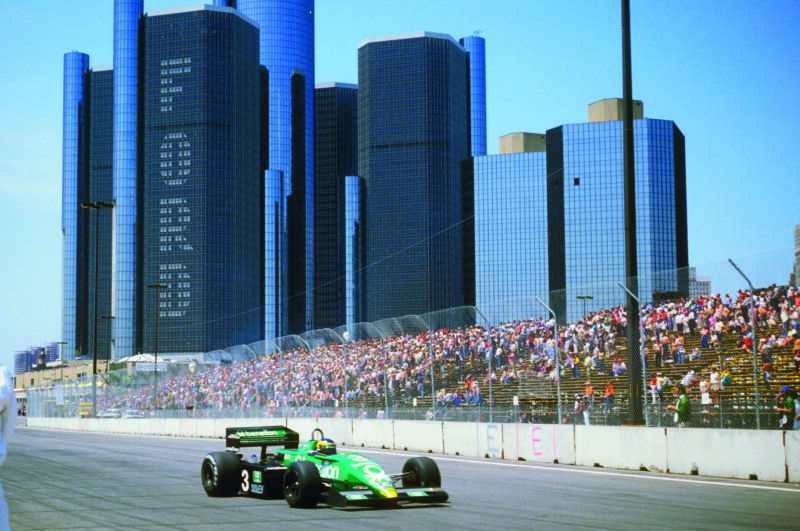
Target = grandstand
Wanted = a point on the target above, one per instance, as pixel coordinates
(444, 373)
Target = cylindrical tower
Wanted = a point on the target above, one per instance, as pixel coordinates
(74, 181)
(476, 50)
(125, 174)
(287, 52)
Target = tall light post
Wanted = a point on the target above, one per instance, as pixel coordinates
(385, 382)
(157, 288)
(558, 361)
(108, 318)
(61, 358)
(753, 332)
(584, 298)
(641, 355)
(97, 206)
(346, 337)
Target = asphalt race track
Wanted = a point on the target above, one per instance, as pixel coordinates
(69, 480)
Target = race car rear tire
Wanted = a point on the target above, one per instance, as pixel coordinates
(302, 485)
(220, 474)
(421, 472)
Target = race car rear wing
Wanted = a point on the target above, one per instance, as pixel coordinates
(263, 436)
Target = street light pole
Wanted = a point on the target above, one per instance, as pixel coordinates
(558, 360)
(61, 358)
(97, 206)
(641, 354)
(346, 337)
(755, 347)
(584, 298)
(157, 288)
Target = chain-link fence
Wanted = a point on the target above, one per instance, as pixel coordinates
(567, 356)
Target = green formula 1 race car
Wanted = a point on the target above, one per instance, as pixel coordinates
(314, 472)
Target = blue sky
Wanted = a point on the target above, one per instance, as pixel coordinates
(727, 72)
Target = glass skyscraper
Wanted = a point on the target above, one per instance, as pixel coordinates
(476, 53)
(287, 52)
(75, 152)
(336, 154)
(510, 226)
(171, 135)
(202, 182)
(126, 176)
(586, 211)
(413, 135)
(100, 189)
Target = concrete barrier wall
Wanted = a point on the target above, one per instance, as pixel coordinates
(541, 443)
(768, 455)
(727, 453)
(631, 448)
(792, 450)
(418, 436)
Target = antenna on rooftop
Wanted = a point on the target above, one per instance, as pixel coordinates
(476, 33)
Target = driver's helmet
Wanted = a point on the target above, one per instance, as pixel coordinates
(326, 447)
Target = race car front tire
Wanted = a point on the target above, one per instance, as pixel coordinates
(220, 474)
(302, 485)
(421, 472)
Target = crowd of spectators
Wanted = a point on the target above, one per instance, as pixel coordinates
(475, 357)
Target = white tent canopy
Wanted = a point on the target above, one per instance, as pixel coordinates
(137, 358)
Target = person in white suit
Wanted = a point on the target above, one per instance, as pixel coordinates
(8, 419)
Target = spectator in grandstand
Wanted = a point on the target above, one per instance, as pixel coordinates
(714, 383)
(690, 378)
(766, 371)
(704, 337)
(653, 388)
(682, 407)
(796, 410)
(662, 382)
(578, 408)
(705, 395)
(785, 406)
(609, 396)
(796, 355)
(8, 419)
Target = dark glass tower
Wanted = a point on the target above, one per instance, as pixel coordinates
(202, 183)
(413, 135)
(336, 157)
(100, 189)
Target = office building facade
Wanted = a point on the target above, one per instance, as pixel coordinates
(475, 47)
(413, 135)
(336, 160)
(586, 245)
(286, 50)
(99, 316)
(176, 147)
(510, 234)
(74, 179)
(126, 177)
(202, 205)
